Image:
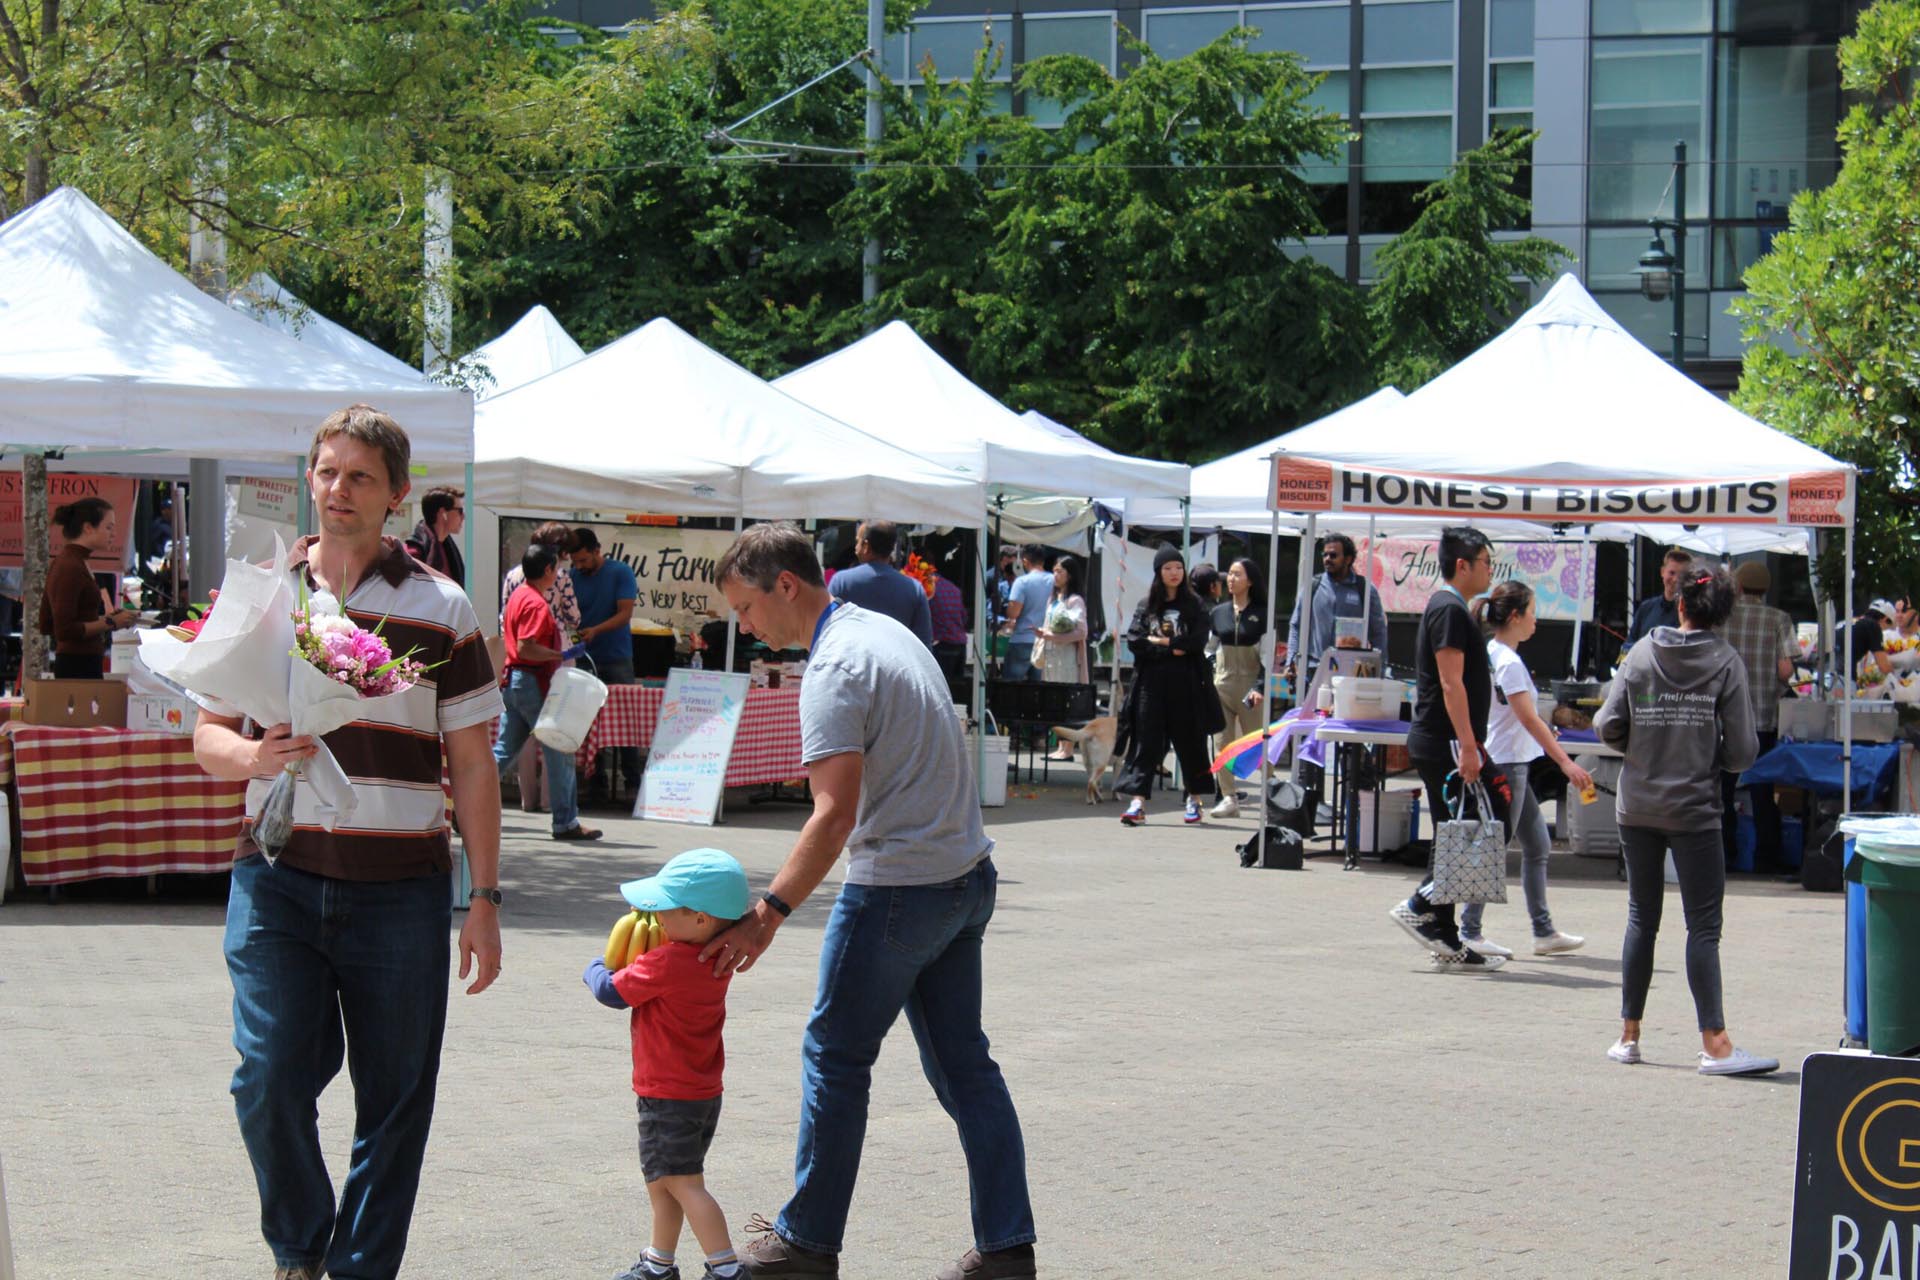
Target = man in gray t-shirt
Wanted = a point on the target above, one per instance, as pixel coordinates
(892, 784)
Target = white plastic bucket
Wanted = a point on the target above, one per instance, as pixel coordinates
(573, 703)
(993, 770)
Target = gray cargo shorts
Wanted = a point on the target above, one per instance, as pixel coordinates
(675, 1135)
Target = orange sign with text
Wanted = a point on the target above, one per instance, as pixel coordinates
(63, 488)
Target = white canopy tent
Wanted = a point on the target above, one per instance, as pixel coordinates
(1567, 418)
(533, 347)
(106, 349)
(659, 422)
(267, 300)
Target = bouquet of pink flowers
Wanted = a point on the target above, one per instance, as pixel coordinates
(275, 661)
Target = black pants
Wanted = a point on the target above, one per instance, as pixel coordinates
(1433, 776)
(1149, 748)
(1766, 815)
(79, 666)
(1703, 890)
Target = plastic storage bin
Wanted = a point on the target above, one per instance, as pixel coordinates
(1366, 698)
(1396, 821)
(1886, 863)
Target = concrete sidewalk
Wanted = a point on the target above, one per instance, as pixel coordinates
(1220, 1072)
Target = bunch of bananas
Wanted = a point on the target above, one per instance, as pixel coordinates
(634, 934)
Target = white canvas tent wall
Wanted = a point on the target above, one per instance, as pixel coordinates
(106, 349)
(533, 347)
(658, 422)
(1567, 417)
(267, 300)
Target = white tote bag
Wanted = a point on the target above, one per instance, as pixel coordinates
(574, 699)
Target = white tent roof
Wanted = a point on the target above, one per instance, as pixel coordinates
(659, 422)
(104, 347)
(534, 347)
(1565, 395)
(269, 302)
(893, 385)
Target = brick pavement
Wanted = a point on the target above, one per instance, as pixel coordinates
(1219, 1071)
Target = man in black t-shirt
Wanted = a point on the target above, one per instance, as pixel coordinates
(1869, 638)
(1452, 695)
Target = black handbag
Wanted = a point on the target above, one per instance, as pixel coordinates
(1284, 851)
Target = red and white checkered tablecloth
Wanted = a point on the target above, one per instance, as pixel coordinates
(111, 802)
(766, 749)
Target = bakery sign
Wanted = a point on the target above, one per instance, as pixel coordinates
(1306, 485)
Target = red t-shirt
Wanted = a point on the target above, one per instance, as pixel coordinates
(529, 619)
(678, 1010)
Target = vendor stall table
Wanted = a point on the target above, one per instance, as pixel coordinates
(95, 803)
(766, 749)
(1815, 767)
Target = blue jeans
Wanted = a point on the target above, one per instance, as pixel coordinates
(324, 971)
(919, 948)
(614, 672)
(1018, 664)
(523, 698)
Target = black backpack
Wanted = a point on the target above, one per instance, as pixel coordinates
(1290, 807)
(1285, 851)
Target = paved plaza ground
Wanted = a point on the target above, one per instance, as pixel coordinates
(1220, 1072)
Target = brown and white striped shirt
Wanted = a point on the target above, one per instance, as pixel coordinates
(399, 826)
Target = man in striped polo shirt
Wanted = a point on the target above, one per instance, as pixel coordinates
(341, 945)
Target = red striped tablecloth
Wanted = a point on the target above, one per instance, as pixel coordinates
(766, 749)
(110, 802)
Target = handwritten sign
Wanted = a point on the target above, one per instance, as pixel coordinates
(63, 488)
(673, 568)
(692, 742)
(1856, 1187)
(1407, 571)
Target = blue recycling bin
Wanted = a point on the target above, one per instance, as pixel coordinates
(1856, 962)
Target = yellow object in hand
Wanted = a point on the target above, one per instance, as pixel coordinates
(1589, 795)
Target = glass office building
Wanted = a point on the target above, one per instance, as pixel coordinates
(1750, 86)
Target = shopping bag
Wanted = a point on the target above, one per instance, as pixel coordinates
(1470, 855)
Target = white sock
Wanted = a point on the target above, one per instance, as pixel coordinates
(658, 1261)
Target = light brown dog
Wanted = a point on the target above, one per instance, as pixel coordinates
(1095, 739)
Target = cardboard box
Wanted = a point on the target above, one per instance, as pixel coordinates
(76, 704)
(161, 713)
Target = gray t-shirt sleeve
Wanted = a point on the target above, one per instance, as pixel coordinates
(834, 703)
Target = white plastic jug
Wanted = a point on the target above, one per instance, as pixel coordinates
(573, 703)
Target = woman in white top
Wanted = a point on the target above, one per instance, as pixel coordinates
(1060, 649)
(1516, 737)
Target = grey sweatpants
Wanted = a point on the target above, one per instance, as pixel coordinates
(1702, 868)
(1530, 829)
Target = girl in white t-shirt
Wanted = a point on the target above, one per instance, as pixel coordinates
(1516, 737)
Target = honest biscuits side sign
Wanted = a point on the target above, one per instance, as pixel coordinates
(1856, 1193)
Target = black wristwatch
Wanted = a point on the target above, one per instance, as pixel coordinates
(489, 893)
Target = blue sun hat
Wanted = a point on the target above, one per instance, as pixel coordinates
(706, 880)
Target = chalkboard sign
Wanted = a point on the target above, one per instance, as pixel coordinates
(692, 742)
(1856, 1192)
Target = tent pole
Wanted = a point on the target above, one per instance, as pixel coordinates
(466, 531)
(303, 504)
(1847, 691)
(1186, 531)
(982, 651)
(739, 523)
(1270, 652)
(1303, 597)
(1586, 549)
(1366, 591)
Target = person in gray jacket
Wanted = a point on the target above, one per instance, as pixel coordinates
(1678, 712)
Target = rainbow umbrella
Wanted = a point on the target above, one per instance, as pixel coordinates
(1242, 755)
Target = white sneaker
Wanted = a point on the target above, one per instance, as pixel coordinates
(1492, 950)
(1465, 961)
(1737, 1063)
(1556, 944)
(1229, 807)
(1626, 1052)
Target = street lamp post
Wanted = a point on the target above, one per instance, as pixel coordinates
(1662, 274)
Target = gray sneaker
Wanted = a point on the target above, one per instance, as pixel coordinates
(641, 1271)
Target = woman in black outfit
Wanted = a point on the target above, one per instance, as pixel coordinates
(1172, 698)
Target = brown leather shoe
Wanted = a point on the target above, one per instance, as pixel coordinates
(1002, 1264)
(770, 1254)
(578, 832)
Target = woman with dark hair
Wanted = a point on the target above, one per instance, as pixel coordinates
(1516, 737)
(1678, 712)
(71, 609)
(1060, 650)
(1239, 623)
(1171, 700)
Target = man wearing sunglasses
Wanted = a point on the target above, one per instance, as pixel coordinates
(443, 514)
(1337, 593)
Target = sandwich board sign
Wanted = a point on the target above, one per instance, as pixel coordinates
(686, 773)
(1856, 1190)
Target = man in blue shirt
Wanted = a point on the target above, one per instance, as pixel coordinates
(876, 585)
(606, 590)
(1026, 612)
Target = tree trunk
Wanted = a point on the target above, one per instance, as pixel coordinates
(33, 513)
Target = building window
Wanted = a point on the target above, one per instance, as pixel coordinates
(1320, 34)
(1406, 108)
(1175, 33)
(1087, 35)
(1646, 95)
(1651, 17)
(1510, 29)
(950, 45)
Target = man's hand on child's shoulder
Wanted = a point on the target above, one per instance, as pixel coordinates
(600, 982)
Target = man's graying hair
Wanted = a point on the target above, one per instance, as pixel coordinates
(760, 555)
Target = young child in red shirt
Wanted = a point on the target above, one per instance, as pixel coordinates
(678, 1009)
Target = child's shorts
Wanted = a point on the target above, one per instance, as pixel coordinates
(675, 1135)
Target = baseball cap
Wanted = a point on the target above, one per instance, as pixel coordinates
(1753, 576)
(700, 880)
(1884, 608)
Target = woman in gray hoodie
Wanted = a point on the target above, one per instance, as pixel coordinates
(1678, 712)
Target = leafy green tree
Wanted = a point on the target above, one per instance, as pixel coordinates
(1446, 285)
(1832, 313)
(1142, 283)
